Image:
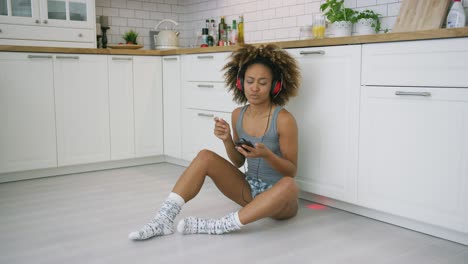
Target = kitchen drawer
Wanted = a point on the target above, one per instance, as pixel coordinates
(20, 32)
(197, 132)
(437, 63)
(204, 67)
(208, 96)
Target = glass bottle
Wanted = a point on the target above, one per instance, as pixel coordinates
(240, 31)
(222, 32)
(233, 36)
(228, 36)
(214, 32)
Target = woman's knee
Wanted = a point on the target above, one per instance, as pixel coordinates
(205, 155)
(287, 185)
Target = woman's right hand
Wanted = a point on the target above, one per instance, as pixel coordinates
(222, 129)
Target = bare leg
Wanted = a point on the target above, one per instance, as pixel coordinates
(207, 163)
(229, 180)
(279, 202)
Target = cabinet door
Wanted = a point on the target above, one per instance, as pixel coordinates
(326, 110)
(122, 126)
(198, 133)
(172, 107)
(27, 112)
(68, 13)
(414, 153)
(19, 12)
(81, 94)
(147, 85)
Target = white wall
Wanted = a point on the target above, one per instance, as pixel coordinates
(265, 20)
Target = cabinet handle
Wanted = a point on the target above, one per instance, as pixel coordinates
(68, 57)
(39, 56)
(0, 30)
(119, 58)
(425, 94)
(317, 52)
(45, 21)
(170, 59)
(205, 85)
(80, 35)
(38, 21)
(206, 115)
(205, 57)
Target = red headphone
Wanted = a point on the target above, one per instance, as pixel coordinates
(276, 86)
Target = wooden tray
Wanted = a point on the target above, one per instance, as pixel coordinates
(124, 46)
(418, 15)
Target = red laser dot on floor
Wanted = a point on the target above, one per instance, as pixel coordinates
(315, 206)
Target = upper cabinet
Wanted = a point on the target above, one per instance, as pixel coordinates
(60, 23)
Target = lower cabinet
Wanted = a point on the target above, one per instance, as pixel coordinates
(147, 92)
(172, 106)
(413, 153)
(327, 113)
(82, 108)
(27, 112)
(122, 121)
(198, 132)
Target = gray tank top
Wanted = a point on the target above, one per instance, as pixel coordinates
(263, 170)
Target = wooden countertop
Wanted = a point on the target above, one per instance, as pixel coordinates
(378, 38)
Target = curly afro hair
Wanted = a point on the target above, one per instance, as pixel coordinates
(282, 65)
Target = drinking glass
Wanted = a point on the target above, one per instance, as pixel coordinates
(318, 26)
(305, 33)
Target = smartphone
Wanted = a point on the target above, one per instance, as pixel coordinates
(244, 141)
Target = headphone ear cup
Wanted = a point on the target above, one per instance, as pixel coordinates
(276, 88)
(239, 84)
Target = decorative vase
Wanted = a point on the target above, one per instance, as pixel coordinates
(341, 28)
(364, 26)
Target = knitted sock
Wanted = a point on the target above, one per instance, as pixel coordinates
(197, 225)
(163, 222)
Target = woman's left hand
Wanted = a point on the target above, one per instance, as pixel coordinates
(259, 151)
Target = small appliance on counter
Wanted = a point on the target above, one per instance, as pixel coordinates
(163, 39)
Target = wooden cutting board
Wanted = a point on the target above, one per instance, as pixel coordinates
(421, 15)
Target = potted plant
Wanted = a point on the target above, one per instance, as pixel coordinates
(368, 22)
(340, 17)
(130, 37)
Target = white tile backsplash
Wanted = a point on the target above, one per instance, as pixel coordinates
(265, 20)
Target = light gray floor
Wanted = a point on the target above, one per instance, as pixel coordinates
(85, 218)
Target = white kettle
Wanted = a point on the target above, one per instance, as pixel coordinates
(167, 38)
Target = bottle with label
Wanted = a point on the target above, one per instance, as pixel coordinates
(233, 36)
(222, 32)
(228, 36)
(214, 32)
(456, 17)
(240, 31)
(204, 38)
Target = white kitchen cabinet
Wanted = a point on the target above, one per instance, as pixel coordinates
(82, 108)
(27, 112)
(204, 67)
(428, 63)
(414, 153)
(204, 97)
(62, 23)
(198, 132)
(172, 106)
(122, 122)
(327, 111)
(148, 108)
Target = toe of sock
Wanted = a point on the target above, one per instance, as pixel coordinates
(181, 226)
(134, 236)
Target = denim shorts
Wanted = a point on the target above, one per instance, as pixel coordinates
(257, 186)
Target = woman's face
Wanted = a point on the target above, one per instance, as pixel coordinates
(257, 83)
